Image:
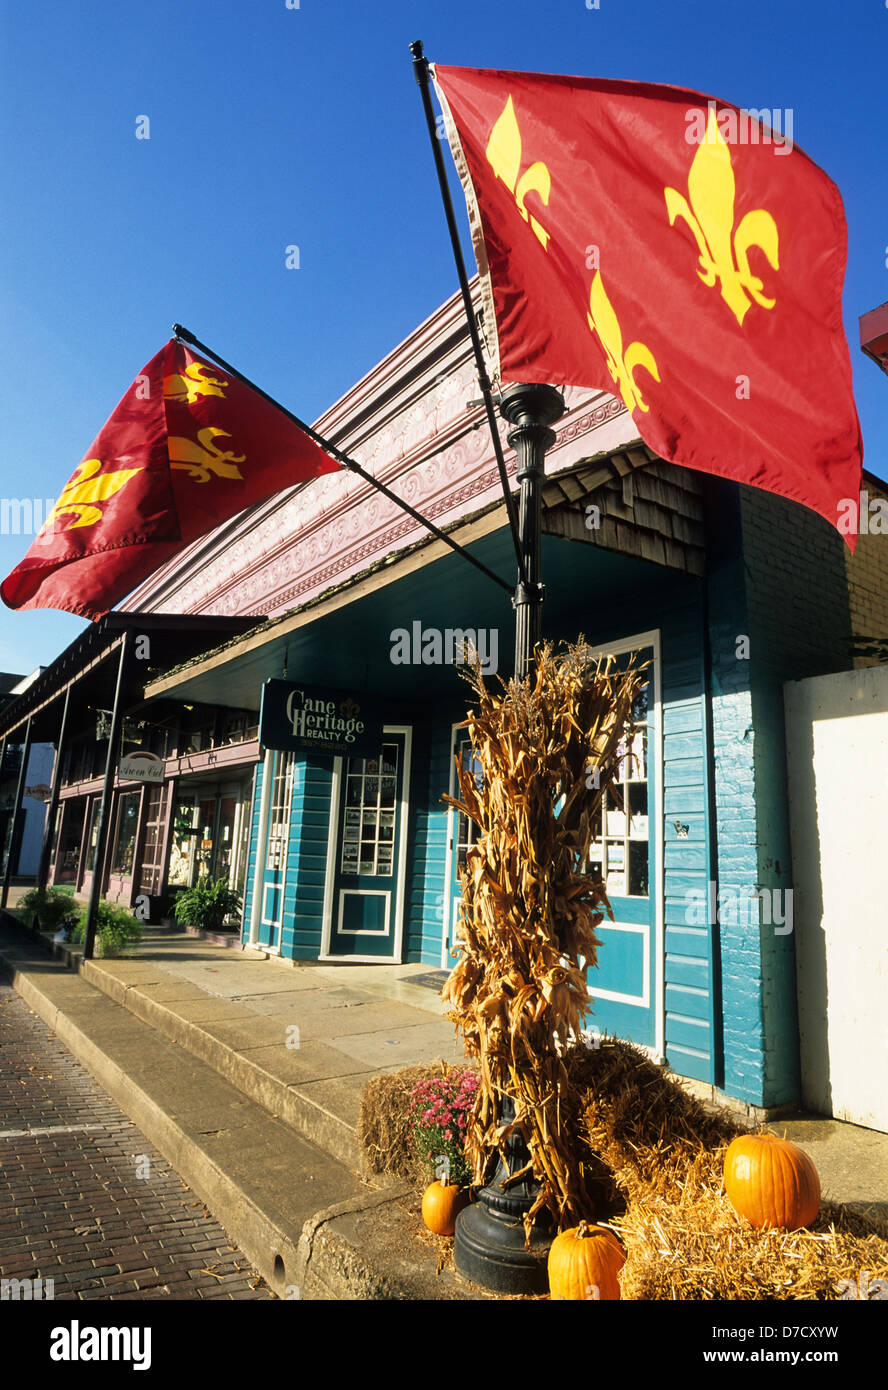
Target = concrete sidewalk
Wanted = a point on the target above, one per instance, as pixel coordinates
(247, 1057)
(299, 1039)
(260, 1128)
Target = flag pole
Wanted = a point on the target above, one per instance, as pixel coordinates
(421, 71)
(186, 337)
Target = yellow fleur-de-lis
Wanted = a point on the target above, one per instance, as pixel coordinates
(201, 458)
(504, 157)
(83, 490)
(192, 383)
(622, 365)
(710, 216)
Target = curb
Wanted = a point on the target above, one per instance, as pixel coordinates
(280, 1099)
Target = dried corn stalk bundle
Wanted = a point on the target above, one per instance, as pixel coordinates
(545, 751)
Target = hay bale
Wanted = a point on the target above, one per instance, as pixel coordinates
(694, 1247)
(385, 1126)
(640, 1121)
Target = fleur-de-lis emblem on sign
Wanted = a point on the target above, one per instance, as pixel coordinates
(87, 487)
(622, 365)
(724, 253)
(504, 157)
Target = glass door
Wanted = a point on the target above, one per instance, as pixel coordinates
(280, 770)
(622, 851)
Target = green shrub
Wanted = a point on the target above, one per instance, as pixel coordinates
(51, 907)
(116, 929)
(206, 904)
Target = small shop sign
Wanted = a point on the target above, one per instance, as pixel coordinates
(297, 718)
(141, 767)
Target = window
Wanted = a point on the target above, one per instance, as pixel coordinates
(279, 811)
(182, 843)
(67, 857)
(618, 851)
(92, 834)
(152, 866)
(467, 832)
(125, 840)
(369, 834)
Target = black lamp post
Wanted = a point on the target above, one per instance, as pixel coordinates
(530, 410)
(489, 1247)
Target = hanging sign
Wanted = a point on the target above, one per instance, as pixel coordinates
(297, 718)
(141, 767)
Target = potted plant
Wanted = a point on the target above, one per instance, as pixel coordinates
(206, 904)
(47, 909)
(116, 929)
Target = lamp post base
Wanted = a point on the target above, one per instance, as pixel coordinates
(489, 1246)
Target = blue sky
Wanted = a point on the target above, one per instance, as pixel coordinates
(272, 126)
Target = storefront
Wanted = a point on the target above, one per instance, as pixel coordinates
(350, 854)
(191, 763)
(355, 856)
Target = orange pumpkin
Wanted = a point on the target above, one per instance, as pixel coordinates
(584, 1263)
(441, 1204)
(771, 1181)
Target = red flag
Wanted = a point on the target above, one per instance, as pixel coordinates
(188, 447)
(659, 244)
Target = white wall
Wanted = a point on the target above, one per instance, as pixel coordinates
(837, 765)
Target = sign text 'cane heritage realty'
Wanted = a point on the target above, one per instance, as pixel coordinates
(312, 719)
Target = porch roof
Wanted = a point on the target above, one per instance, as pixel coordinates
(346, 640)
(85, 664)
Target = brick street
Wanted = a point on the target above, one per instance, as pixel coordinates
(85, 1199)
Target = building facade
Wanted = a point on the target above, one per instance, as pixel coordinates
(727, 592)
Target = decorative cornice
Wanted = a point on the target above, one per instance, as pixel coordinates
(338, 529)
(406, 423)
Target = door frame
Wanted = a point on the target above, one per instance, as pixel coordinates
(274, 947)
(336, 790)
(655, 730)
(448, 963)
(261, 848)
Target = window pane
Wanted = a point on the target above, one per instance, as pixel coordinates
(125, 843)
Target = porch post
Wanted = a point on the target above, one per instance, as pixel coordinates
(16, 812)
(43, 870)
(95, 890)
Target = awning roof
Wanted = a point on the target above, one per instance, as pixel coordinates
(86, 661)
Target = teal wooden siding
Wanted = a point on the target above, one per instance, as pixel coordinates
(688, 944)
